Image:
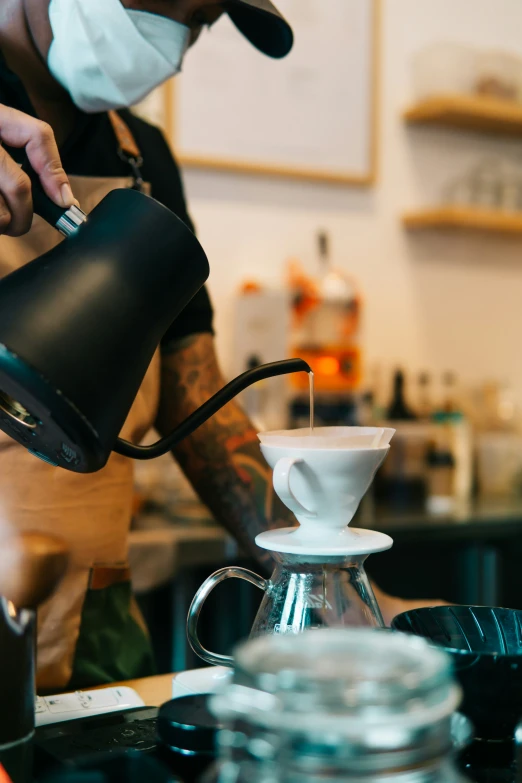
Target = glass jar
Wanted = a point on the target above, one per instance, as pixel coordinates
(354, 705)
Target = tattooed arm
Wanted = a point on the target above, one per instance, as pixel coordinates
(221, 459)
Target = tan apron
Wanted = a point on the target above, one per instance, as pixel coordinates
(90, 512)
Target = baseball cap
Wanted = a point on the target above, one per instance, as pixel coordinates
(263, 25)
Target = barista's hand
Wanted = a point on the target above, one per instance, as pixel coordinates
(16, 204)
(391, 606)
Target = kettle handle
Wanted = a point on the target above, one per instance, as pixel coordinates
(200, 598)
(66, 221)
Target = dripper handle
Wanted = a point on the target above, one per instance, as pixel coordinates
(197, 605)
(281, 481)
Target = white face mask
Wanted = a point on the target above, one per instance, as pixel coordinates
(107, 57)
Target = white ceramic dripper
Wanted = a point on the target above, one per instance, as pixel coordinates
(321, 476)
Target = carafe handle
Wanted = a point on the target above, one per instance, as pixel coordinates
(197, 604)
(281, 482)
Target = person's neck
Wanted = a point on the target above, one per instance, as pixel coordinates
(24, 28)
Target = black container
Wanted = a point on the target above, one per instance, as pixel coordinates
(17, 640)
(485, 645)
(187, 736)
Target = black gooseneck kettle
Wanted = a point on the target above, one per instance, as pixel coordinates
(80, 324)
(78, 329)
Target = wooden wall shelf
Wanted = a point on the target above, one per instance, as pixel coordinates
(481, 114)
(470, 218)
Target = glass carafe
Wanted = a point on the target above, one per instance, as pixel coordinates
(304, 592)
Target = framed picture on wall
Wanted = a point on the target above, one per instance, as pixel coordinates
(312, 115)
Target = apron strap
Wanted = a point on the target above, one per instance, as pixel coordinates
(128, 147)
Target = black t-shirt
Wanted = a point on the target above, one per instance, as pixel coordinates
(92, 151)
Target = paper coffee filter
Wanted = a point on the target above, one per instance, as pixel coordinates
(329, 438)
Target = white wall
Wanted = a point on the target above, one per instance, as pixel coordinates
(439, 301)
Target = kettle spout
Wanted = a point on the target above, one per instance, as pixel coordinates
(205, 411)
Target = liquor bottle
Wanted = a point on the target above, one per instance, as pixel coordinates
(398, 409)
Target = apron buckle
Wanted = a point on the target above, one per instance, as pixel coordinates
(135, 165)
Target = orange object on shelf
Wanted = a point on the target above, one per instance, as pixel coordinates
(327, 366)
(335, 369)
(250, 287)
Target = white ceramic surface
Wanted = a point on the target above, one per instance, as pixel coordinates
(206, 680)
(323, 487)
(348, 541)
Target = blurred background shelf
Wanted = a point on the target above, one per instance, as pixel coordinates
(471, 218)
(491, 115)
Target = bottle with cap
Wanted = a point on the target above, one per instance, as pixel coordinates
(441, 478)
(398, 409)
(450, 402)
(424, 401)
(338, 313)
